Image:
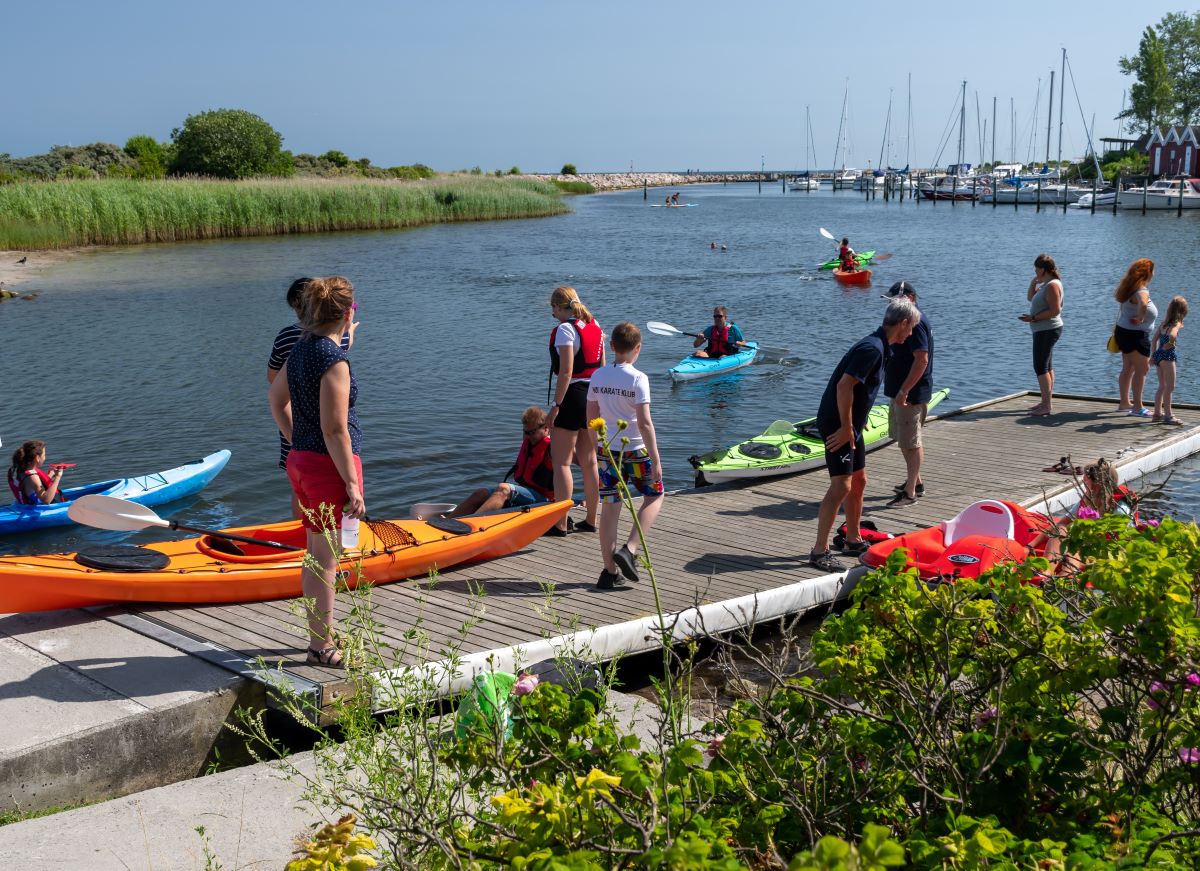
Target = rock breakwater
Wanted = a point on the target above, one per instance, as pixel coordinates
(616, 181)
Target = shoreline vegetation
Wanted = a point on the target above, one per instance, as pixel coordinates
(37, 216)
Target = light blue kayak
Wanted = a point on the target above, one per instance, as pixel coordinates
(153, 489)
(692, 367)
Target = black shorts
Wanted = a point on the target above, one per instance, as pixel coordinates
(1130, 341)
(847, 459)
(572, 414)
(1043, 350)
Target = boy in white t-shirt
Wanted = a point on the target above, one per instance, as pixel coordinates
(619, 392)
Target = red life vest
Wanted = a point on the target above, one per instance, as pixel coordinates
(718, 342)
(533, 468)
(1124, 494)
(847, 256)
(588, 353)
(14, 484)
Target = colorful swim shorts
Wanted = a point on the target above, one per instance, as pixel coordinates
(636, 468)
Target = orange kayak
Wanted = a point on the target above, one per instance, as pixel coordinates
(858, 276)
(192, 570)
(982, 535)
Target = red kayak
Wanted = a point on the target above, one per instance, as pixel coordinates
(984, 534)
(858, 276)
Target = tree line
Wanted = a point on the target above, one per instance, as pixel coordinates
(1166, 72)
(221, 143)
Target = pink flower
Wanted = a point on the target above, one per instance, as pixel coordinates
(1189, 754)
(1193, 679)
(1152, 523)
(1086, 513)
(1156, 689)
(982, 718)
(714, 747)
(527, 684)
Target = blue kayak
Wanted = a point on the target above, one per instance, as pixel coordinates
(701, 367)
(153, 489)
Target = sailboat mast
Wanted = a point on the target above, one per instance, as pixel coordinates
(1062, 82)
(1049, 117)
(962, 123)
(993, 132)
(887, 126)
(1012, 131)
(908, 126)
(807, 140)
(842, 126)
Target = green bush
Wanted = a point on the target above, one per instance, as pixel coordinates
(514, 170)
(574, 187)
(74, 171)
(150, 156)
(337, 158)
(226, 143)
(568, 169)
(1021, 720)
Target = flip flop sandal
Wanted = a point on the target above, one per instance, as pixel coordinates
(1060, 467)
(329, 657)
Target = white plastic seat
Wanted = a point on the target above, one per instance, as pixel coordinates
(985, 517)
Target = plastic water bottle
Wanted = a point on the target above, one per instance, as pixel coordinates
(349, 532)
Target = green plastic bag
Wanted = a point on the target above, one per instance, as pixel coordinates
(486, 706)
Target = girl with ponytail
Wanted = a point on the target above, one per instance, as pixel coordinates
(30, 484)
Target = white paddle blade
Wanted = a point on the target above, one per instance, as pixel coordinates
(828, 235)
(109, 512)
(661, 329)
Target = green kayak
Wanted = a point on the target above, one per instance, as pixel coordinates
(861, 259)
(787, 447)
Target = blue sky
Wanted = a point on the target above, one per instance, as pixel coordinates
(655, 85)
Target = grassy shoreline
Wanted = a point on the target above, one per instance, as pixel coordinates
(66, 214)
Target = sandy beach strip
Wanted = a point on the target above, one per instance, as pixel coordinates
(14, 274)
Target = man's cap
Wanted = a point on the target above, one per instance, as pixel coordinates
(899, 289)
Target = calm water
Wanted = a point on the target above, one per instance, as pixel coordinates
(137, 359)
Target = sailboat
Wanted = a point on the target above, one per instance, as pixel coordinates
(805, 181)
(959, 183)
(846, 176)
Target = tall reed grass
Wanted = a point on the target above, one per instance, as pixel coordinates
(62, 214)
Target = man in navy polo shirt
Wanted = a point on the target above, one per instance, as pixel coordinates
(841, 419)
(908, 382)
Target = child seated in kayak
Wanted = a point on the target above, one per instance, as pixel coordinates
(847, 256)
(30, 484)
(533, 473)
(1102, 494)
(723, 337)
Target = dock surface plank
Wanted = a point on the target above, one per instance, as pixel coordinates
(710, 545)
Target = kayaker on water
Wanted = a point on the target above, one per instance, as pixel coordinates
(576, 351)
(313, 403)
(532, 473)
(285, 340)
(29, 482)
(723, 337)
(847, 256)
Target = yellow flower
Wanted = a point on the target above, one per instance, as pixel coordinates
(597, 780)
(597, 423)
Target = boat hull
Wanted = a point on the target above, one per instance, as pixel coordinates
(157, 488)
(860, 259)
(857, 277)
(691, 368)
(786, 448)
(196, 572)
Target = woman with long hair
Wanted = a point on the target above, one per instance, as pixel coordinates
(576, 351)
(1135, 323)
(313, 404)
(29, 482)
(1045, 297)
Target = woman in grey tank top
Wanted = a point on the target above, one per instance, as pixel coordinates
(1045, 297)
(1135, 323)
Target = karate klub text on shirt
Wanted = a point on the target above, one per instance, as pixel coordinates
(619, 389)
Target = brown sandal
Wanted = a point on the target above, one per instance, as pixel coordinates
(329, 657)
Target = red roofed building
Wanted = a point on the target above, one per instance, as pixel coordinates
(1175, 151)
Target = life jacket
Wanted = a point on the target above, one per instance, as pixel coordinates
(533, 468)
(1124, 494)
(718, 342)
(14, 484)
(847, 256)
(589, 353)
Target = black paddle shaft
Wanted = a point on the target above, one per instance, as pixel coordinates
(229, 535)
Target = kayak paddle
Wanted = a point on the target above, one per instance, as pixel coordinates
(828, 235)
(111, 512)
(661, 329)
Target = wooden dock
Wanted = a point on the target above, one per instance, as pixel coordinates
(724, 556)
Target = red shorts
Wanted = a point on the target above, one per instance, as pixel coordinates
(316, 481)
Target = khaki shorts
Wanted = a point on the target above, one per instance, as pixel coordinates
(905, 423)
